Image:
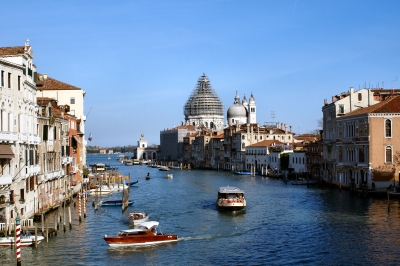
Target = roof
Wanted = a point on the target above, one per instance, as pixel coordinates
(230, 190)
(391, 105)
(266, 143)
(53, 84)
(16, 50)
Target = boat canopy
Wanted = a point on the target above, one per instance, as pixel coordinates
(145, 225)
(230, 190)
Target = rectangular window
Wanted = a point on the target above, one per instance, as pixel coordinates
(388, 156)
(9, 80)
(341, 109)
(340, 153)
(19, 83)
(2, 78)
(72, 100)
(361, 156)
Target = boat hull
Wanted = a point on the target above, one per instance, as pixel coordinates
(114, 203)
(231, 206)
(8, 241)
(117, 241)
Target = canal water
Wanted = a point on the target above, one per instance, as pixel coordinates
(282, 225)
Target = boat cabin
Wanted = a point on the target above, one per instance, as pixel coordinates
(98, 168)
(230, 193)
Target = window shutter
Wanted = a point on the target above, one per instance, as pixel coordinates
(45, 132)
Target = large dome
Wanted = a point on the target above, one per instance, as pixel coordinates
(237, 110)
(203, 101)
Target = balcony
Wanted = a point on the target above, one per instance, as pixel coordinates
(66, 160)
(5, 180)
(29, 138)
(52, 175)
(8, 136)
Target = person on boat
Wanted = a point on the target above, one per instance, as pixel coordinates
(148, 174)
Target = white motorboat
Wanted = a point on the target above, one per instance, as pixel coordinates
(137, 218)
(25, 240)
(169, 176)
(231, 198)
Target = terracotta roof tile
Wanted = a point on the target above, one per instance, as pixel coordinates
(16, 50)
(391, 105)
(53, 84)
(266, 143)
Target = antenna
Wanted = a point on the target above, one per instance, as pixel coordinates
(273, 115)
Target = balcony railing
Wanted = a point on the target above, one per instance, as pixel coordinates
(8, 136)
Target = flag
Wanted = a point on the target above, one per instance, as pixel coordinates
(90, 137)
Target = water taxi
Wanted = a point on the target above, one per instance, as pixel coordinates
(137, 218)
(231, 198)
(144, 234)
(25, 240)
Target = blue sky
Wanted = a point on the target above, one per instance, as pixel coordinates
(139, 61)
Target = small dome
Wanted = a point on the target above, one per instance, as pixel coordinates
(237, 110)
(252, 99)
(244, 101)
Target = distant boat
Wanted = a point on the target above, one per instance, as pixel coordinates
(114, 203)
(109, 158)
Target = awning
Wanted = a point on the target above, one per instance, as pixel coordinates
(77, 140)
(6, 152)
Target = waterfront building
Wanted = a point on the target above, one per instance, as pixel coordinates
(342, 104)
(368, 141)
(145, 153)
(53, 156)
(19, 137)
(277, 153)
(298, 162)
(67, 95)
(257, 156)
(314, 153)
(171, 142)
(238, 137)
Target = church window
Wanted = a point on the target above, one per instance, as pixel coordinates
(388, 128)
(388, 154)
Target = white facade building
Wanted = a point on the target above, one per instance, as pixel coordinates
(298, 161)
(18, 132)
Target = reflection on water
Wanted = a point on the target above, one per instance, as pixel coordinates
(282, 225)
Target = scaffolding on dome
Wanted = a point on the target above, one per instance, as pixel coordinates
(203, 101)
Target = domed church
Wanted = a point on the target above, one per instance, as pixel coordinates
(242, 113)
(204, 108)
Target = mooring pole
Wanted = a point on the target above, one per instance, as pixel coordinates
(18, 239)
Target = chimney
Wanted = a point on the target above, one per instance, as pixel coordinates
(351, 90)
(333, 99)
(290, 129)
(285, 128)
(325, 102)
(44, 76)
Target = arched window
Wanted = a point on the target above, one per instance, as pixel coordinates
(243, 137)
(388, 128)
(388, 154)
(243, 146)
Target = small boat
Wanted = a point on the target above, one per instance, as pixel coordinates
(148, 176)
(113, 203)
(25, 240)
(231, 198)
(169, 176)
(163, 168)
(98, 191)
(145, 234)
(137, 218)
(132, 183)
(128, 162)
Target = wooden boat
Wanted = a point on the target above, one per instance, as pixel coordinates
(113, 203)
(144, 234)
(137, 218)
(231, 198)
(132, 183)
(25, 240)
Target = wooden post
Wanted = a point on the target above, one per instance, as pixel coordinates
(47, 233)
(388, 201)
(84, 205)
(35, 235)
(70, 224)
(55, 220)
(79, 207)
(18, 239)
(42, 224)
(64, 216)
